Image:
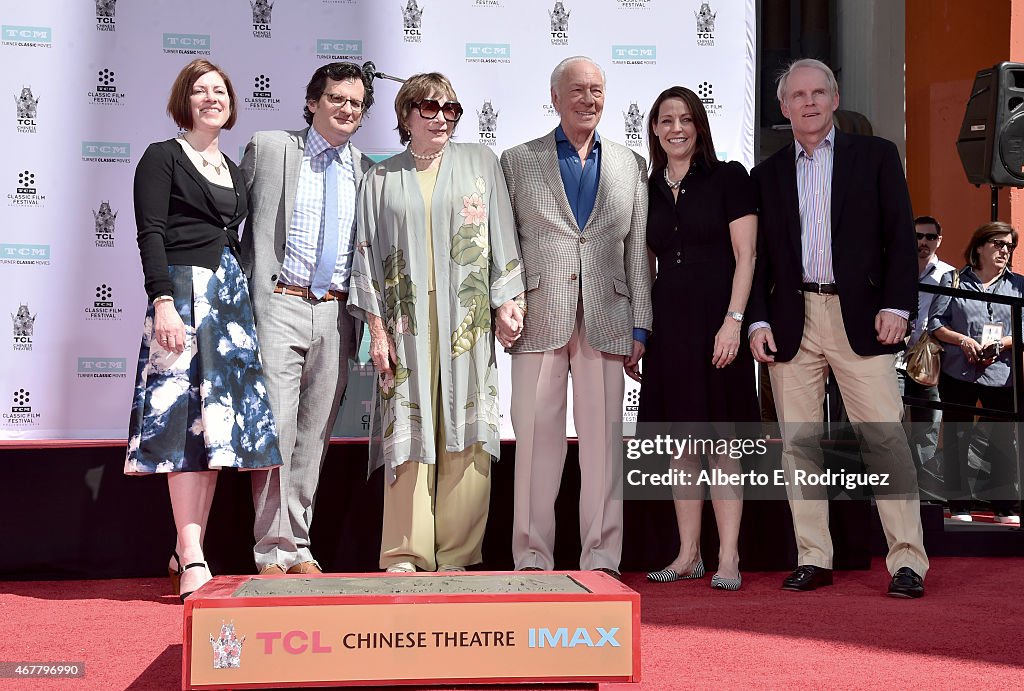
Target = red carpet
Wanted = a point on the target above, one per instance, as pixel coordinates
(964, 633)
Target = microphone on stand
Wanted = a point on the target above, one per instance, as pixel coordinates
(370, 72)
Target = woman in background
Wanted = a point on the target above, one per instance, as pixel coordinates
(200, 403)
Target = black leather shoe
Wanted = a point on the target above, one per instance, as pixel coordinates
(807, 577)
(906, 583)
(531, 568)
(611, 572)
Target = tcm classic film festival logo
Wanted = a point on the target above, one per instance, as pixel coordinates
(23, 322)
(633, 119)
(262, 97)
(26, 36)
(20, 415)
(705, 24)
(634, 4)
(105, 92)
(105, 15)
(487, 124)
(412, 22)
(261, 11)
(103, 307)
(103, 220)
(706, 92)
(559, 17)
(26, 194)
(26, 106)
(339, 49)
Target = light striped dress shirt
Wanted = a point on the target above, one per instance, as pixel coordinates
(814, 191)
(305, 234)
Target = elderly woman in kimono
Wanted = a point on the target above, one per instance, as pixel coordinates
(436, 272)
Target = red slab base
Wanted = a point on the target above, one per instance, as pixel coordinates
(250, 632)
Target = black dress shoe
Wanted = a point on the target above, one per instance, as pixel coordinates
(611, 572)
(531, 568)
(807, 577)
(906, 583)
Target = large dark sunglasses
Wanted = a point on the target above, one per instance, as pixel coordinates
(1002, 245)
(429, 108)
(930, 237)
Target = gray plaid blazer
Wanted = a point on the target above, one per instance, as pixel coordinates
(606, 262)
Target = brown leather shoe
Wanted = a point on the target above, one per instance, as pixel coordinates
(272, 570)
(305, 567)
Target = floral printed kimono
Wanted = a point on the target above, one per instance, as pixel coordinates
(477, 269)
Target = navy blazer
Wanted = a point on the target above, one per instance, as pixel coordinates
(874, 257)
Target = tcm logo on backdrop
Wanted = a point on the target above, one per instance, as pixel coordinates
(107, 152)
(105, 15)
(634, 55)
(104, 219)
(26, 36)
(488, 52)
(261, 10)
(103, 307)
(20, 415)
(23, 322)
(487, 124)
(262, 98)
(339, 49)
(102, 367)
(559, 17)
(705, 25)
(105, 92)
(632, 406)
(26, 105)
(26, 194)
(633, 118)
(487, 3)
(187, 44)
(412, 22)
(706, 92)
(634, 4)
(14, 253)
(563, 638)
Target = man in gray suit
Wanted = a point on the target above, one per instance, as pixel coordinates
(297, 253)
(580, 205)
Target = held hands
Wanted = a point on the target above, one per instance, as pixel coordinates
(891, 328)
(975, 354)
(508, 325)
(168, 329)
(727, 343)
(762, 345)
(631, 364)
(382, 353)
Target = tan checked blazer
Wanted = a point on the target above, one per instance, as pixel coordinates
(607, 260)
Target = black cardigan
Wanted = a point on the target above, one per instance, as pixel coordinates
(177, 217)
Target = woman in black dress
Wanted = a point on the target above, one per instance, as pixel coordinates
(701, 237)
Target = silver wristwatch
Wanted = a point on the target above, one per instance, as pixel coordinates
(738, 316)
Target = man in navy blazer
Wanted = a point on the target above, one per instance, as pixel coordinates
(834, 287)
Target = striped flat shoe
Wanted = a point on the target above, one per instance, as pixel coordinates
(720, 583)
(671, 575)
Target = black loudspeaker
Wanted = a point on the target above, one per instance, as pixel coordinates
(991, 141)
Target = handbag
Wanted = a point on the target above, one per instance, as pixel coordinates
(924, 359)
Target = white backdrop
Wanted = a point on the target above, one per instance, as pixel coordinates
(90, 78)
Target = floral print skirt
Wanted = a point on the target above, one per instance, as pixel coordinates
(207, 407)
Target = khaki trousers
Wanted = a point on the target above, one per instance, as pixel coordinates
(539, 405)
(436, 514)
(871, 394)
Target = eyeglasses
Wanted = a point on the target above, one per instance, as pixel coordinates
(1001, 245)
(340, 101)
(930, 237)
(429, 108)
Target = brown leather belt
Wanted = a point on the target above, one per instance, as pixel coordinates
(821, 288)
(304, 292)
